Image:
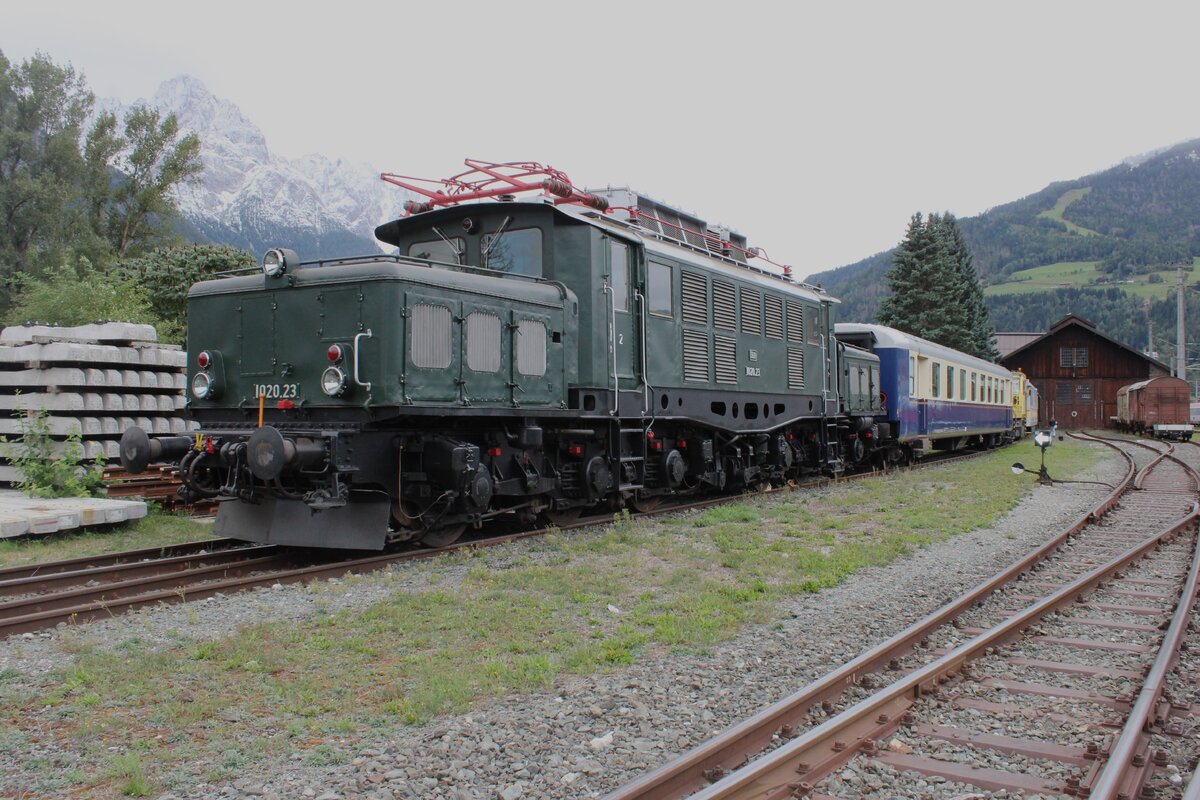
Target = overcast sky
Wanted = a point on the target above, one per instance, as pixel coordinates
(815, 129)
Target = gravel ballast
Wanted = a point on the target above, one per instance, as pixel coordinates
(586, 735)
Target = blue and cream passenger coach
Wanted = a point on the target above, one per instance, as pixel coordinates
(935, 397)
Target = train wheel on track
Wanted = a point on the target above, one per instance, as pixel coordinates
(644, 505)
(443, 537)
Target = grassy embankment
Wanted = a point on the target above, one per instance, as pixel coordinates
(155, 530)
(482, 625)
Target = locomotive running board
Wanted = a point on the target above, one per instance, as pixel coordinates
(361, 525)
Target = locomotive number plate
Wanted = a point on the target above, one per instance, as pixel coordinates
(277, 391)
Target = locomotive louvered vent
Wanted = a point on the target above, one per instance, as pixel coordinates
(695, 355)
(693, 232)
(483, 342)
(724, 312)
(431, 339)
(795, 368)
(751, 312)
(725, 359)
(694, 290)
(531, 347)
(774, 316)
(644, 221)
(671, 223)
(795, 321)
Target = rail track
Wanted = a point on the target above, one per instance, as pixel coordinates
(1046, 679)
(41, 596)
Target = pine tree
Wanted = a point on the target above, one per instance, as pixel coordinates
(935, 290)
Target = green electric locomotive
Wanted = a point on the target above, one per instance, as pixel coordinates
(527, 357)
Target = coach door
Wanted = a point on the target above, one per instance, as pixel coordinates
(623, 313)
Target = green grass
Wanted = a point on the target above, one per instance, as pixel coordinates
(1056, 213)
(1082, 274)
(488, 625)
(155, 530)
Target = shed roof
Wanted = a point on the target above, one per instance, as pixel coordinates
(1075, 320)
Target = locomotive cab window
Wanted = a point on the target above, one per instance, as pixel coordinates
(659, 289)
(517, 252)
(618, 259)
(450, 250)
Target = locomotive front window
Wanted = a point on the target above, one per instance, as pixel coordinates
(660, 297)
(450, 251)
(518, 252)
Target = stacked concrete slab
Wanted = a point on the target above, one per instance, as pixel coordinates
(96, 380)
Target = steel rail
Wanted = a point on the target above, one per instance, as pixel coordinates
(109, 559)
(1193, 787)
(686, 773)
(774, 776)
(1120, 775)
(128, 570)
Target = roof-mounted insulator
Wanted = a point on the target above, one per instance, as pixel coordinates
(414, 207)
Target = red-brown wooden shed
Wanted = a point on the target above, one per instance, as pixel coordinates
(1078, 370)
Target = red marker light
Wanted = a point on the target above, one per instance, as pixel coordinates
(575, 450)
(204, 359)
(656, 445)
(789, 436)
(650, 435)
(681, 444)
(334, 353)
(286, 405)
(494, 452)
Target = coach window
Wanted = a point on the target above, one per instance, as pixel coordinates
(449, 251)
(618, 254)
(962, 384)
(937, 379)
(912, 376)
(659, 290)
(949, 383)
(974, 379)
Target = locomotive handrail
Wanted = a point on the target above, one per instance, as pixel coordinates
(612, 338)
(357, 380)
(641, 299)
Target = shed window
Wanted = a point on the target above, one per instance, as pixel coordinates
(1062, 393)
(1072, 357)
(618, 254)
(431, 345)
(518, 252)
(660, 297)
(1083, 392)
(531, 347)
(483, 342)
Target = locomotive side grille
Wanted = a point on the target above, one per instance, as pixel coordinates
(751, 312)
(695, 355)
(795, 322)
(483, 342)
(724, 314)
(795, 364)
(431, 339)
(774, 317)
(531, 347)
(725, 359)
(671, 223)
(692, 234)
(649, 224)
(694, 290)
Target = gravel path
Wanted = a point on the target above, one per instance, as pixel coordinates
(590, 734)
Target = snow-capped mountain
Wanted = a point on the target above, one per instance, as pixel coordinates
(251, 198)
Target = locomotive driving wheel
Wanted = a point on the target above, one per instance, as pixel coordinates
(644, 504)
(443, 537)
(561, 516)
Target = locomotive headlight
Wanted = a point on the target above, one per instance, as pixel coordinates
(333, 382)
(277, 260)
(202, 386)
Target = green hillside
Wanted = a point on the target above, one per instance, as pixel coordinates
(1105, 243)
